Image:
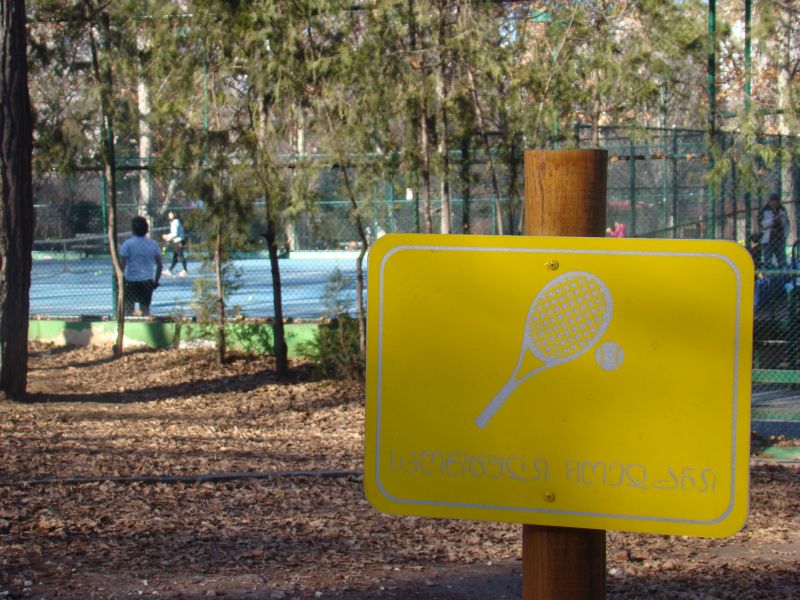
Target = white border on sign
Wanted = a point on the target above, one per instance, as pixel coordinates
(518, 509)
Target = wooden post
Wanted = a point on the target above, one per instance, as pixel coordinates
(565, 192)
(563, 563)
(565, 195)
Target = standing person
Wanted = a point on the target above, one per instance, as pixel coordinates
(755, 249)
(177, 237)
(774, 224)
(140, 259)
(618, 231)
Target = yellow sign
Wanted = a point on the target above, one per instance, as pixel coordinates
(577, 382)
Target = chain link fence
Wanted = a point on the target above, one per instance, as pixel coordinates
(662, 183)
(659, 186)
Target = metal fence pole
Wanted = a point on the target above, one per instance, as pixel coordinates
(712, 111)
(796, 191)
(392, 224)
(466, 184)
(675, 181)
(104, 212)
(725, 201)
(416, 209)
(632, 184)
(779, 186)
(664, 183)
(735, 200)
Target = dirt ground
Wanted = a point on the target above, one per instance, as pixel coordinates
(163, 475)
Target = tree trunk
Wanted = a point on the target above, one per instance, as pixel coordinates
(419, 124)
(425, 153)
(498, 210)
(466, 183)
(340, 155)
(362, 315)
(513, 176)
(280, 347)
(113, 245)
(145, 137)
(785, 72)
(16, 210)
(278, 334)
(105, 80)
(445, 176)
(597, 112)
(442, 91)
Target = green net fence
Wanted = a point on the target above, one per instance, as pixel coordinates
(662, 183)
(660, 187)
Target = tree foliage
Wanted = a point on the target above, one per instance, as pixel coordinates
(426, 93)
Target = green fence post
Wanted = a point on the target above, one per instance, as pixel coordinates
(710, 197)
(664, 183)
(104, 212)
(392, 224)
(632, 185)
(748, 212)
(748, 70)
(722, 207)
(712, 111)
(675, 180)
(780, 166)
(416, 208)
(735, 200)
(466, 189)
(796, 191)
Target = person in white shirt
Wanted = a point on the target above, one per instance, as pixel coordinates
(177, 237)
(140, 259)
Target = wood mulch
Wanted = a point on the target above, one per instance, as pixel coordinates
(164, 475)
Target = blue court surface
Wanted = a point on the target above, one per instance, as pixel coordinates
(75, 287)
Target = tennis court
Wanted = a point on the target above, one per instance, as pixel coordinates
(68, 285)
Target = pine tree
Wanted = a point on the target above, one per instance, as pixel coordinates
(623, 53)
(16, 209)
(274, 95)
(91, 42)
(253, 100)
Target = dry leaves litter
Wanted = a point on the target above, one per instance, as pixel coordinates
(100, 498)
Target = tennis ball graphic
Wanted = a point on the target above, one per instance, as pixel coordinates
(609, 356)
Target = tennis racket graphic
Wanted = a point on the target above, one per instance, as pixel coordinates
(568, 316)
